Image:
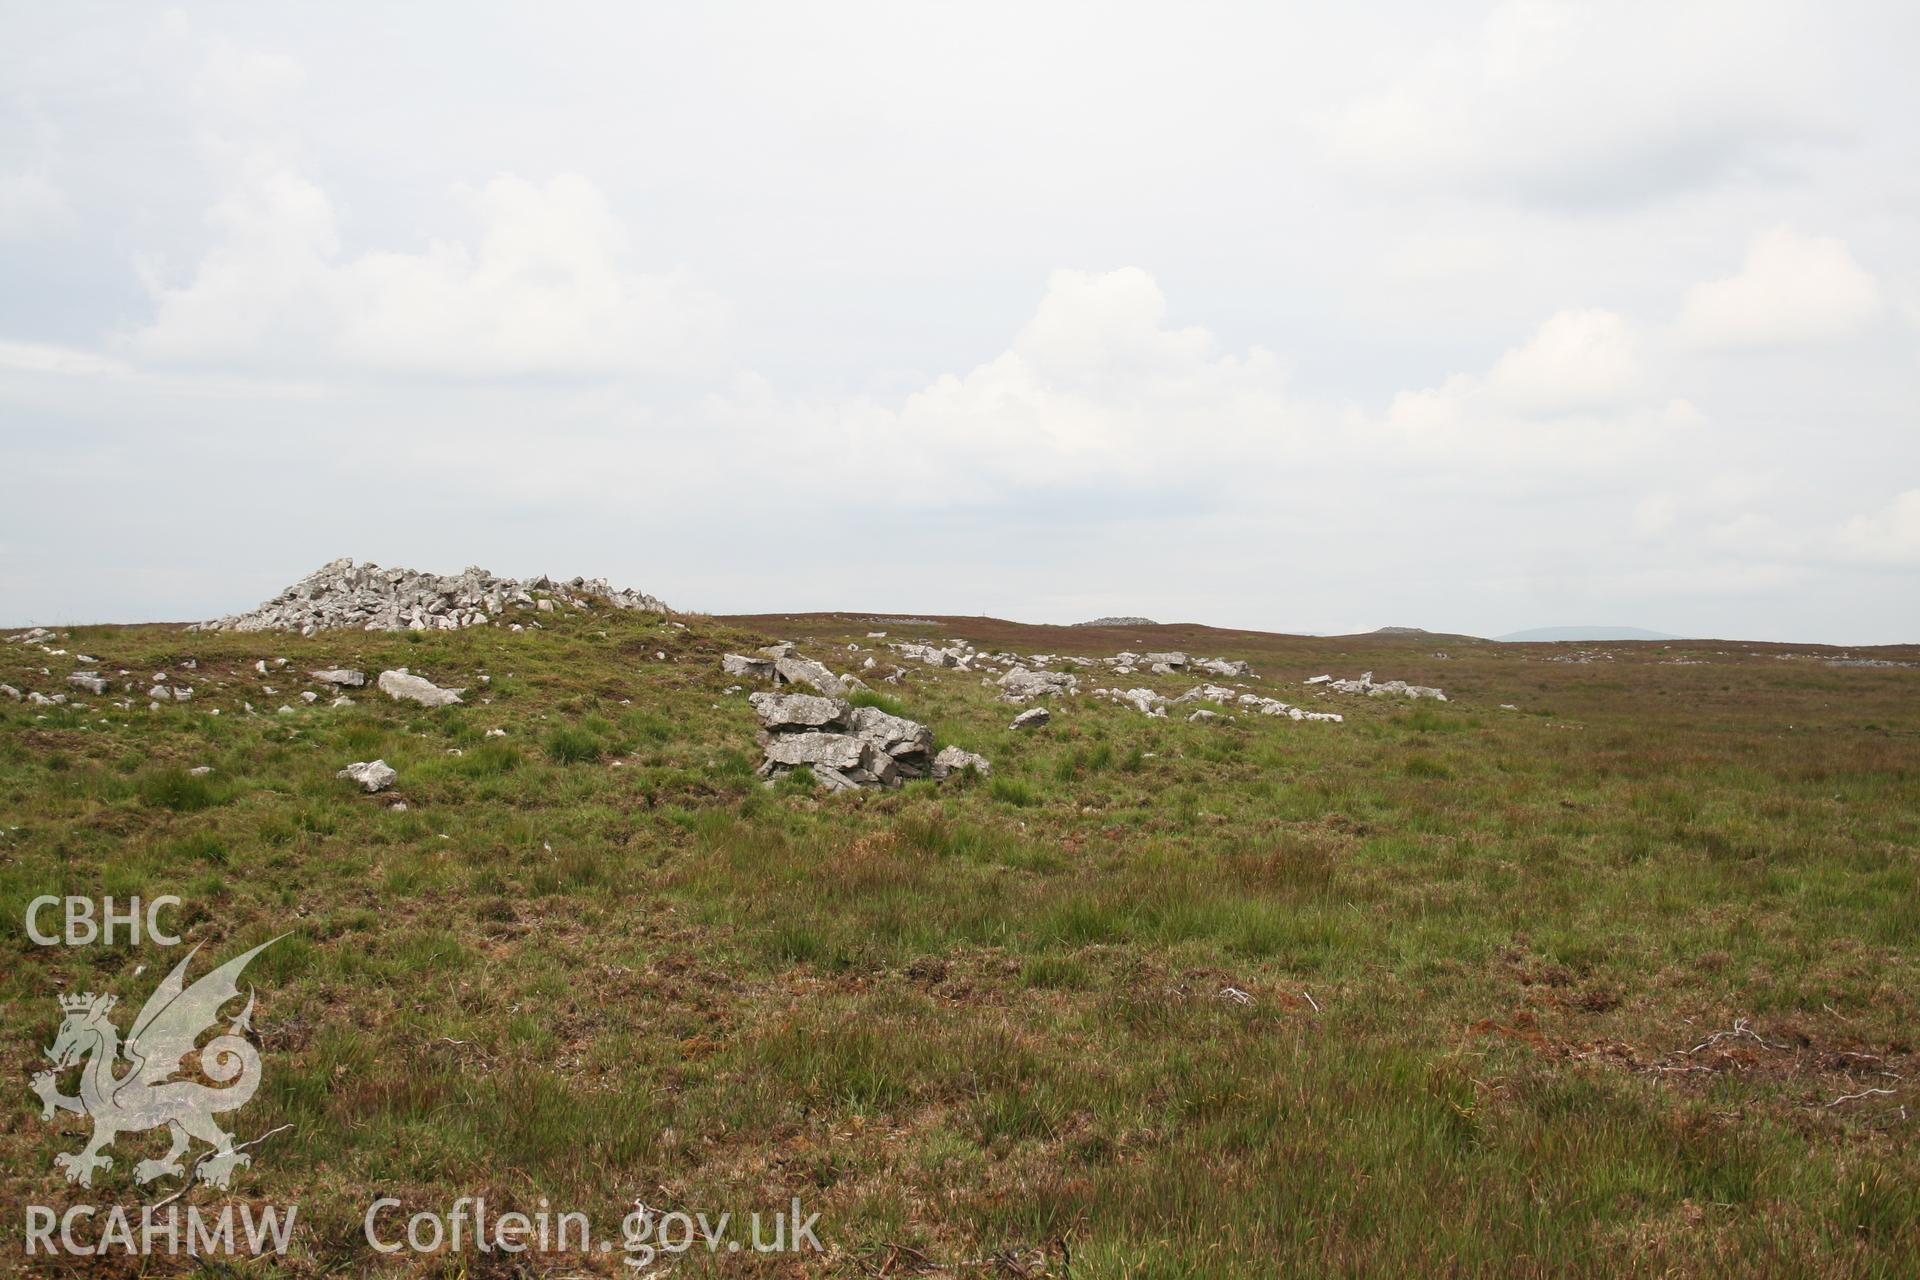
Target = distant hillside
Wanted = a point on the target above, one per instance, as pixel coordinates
(1544, 634)
(1421, 634)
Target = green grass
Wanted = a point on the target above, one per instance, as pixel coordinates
(1431, 992)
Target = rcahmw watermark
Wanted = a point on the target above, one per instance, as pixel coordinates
(89, 1231)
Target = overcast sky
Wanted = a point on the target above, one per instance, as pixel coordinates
(1305, 317)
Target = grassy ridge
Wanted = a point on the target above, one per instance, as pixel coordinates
(1434, 991)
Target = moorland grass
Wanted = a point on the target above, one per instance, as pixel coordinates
(1442, 990)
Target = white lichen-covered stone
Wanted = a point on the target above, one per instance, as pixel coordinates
(781, 712)
(1022, 685)
(372, 775)
(403, 684)
(952, 760)
(735, 664)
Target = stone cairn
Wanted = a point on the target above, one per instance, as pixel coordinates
(369, 598)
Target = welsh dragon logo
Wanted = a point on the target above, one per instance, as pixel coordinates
(147, 1094)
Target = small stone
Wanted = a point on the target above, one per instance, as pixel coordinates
(953, 760)
(1031, 718)
(373, 775)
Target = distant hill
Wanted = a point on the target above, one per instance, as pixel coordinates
(1421, 634)
(1119, 622)
(1544, 634)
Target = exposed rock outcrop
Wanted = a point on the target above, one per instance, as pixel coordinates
(845, 746)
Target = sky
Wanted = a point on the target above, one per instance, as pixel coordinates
(1306, 318)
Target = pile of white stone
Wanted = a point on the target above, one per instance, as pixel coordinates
(1365, 684)
(369, 598)
(847, 746)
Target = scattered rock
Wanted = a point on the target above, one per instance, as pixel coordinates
(340, 677)
(91, 681)
(1145, 701)
(1365, 684)
(200, 770)
(933, 655)
(1031, 718)
(9, 691)
(404, 684)
(1123, 621)
(1022, 685)
(160, 693)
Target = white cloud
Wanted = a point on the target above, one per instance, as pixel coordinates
(1888, 536)
(1559, 103)
(1575, 395)
(546, 287)
(30, 203)
(1095, 389)
(1578, 361)
(44, 357)
(1792, 290)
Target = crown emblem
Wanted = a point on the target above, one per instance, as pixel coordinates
(79, 1003)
